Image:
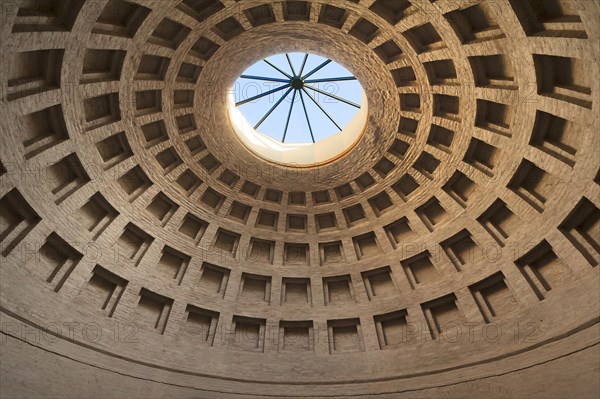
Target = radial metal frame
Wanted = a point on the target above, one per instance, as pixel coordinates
(297, 83)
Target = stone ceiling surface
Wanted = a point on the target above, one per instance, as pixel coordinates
(147, 252)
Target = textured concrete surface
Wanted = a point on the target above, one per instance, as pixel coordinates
(452, 253)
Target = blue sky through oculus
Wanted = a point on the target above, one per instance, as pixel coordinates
(298, 129)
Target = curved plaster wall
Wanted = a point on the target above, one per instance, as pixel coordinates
(453, 252)
(299, 154)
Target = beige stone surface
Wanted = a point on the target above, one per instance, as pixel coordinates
(452, 253)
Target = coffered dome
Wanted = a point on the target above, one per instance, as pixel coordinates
(445, 244)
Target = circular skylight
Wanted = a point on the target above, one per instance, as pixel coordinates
(298, 98)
